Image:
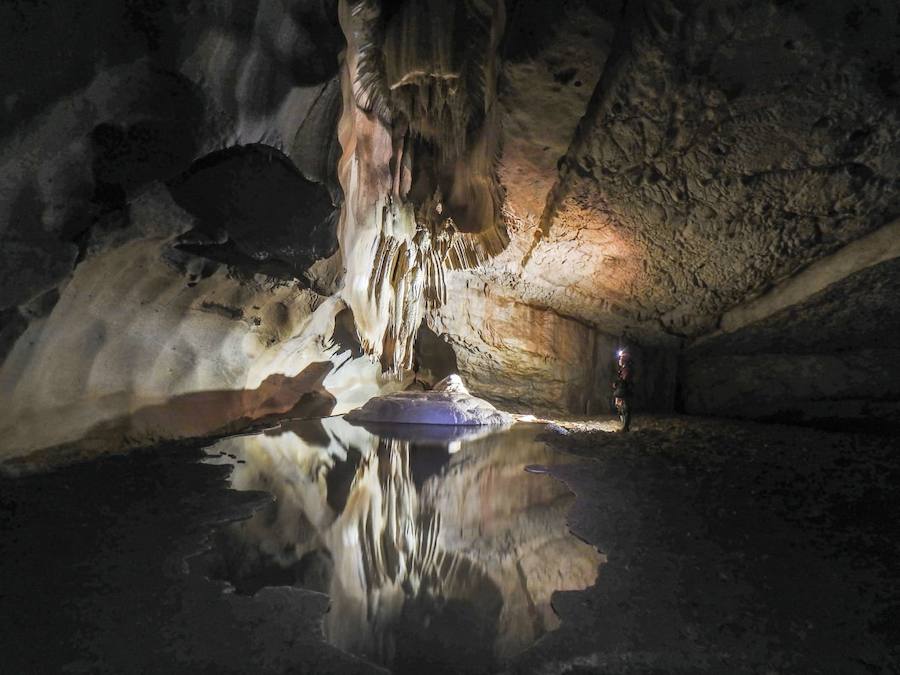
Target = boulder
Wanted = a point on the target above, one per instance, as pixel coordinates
(449, 403)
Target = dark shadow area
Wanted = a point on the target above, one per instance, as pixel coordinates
(51, 39)
(32, 260)
(94, 576)
(344, 334)
(434, 355)
(12, 325)
(256, 212)
(531, 24)
(129, 154)
(733, 547)
(831, 361)
(316, 149)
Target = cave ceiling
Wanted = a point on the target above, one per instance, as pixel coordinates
(723, 147)
(660, 161)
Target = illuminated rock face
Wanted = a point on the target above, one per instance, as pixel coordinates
(538, 185)
(148, 342)
(419, 133)
(529, 359)
(130, 356)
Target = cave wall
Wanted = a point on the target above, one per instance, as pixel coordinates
(147, 342)
(665, 166)
(167, 177)
(823, 361)
(512, 354)
(533, 359)
(726, 149)
(83, 131)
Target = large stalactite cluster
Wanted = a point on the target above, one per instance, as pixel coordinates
(420, 136)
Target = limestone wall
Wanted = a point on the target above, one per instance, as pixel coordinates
(833, 359)
(135, 351)
(535, 360)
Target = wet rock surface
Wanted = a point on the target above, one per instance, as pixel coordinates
(95, 576)
(732, 547)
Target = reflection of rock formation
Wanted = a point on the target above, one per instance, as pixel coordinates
(419, 133)
(449, 558)
(393, 582)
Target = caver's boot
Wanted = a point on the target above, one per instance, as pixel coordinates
(625, 416)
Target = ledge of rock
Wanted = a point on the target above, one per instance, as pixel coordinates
(448, 403)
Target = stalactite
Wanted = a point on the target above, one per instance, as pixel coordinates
(418, 86)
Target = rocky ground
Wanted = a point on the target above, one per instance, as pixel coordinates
(732, 547)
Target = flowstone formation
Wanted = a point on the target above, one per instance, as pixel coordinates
(419, 133)
(448, 403)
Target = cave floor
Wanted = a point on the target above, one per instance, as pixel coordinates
(731, 547)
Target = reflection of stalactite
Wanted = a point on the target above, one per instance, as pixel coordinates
(389, 559)
(419, 133)
(398, 541)
(470, 554)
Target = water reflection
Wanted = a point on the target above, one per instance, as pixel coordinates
(438, 552)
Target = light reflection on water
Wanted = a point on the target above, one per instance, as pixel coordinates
(438, 553)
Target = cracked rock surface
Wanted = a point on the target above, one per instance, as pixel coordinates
(725, 147)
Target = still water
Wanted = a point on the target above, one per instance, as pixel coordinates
(438, 551)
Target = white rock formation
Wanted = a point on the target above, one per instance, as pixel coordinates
(132, 354)
(449, 403)
(419, 134)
